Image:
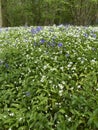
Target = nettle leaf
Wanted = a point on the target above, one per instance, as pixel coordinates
(62, 111)
(15, 105)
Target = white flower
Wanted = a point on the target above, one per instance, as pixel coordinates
(69, 119)
(72, 88)
(50, 81)
(4, 116)
(63, 82)
(52, 69)
(66, 115)
(93, 61)
(74, 68)
(62, 68)
(39, 49)
(60, 92)
(11, 114)
(10, 129)
(60, 86)
(55, 58)
(79, 86)
(70, 64)
(96, 89)
(20, 118)
(43, 78)
(46, 66)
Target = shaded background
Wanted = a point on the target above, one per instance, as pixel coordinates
(48, 12)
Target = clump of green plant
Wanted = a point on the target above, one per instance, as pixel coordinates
(48, 79)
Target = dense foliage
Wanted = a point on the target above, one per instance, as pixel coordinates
(49, 12)
(49, 78)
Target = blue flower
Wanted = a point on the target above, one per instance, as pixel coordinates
(33, 31)
(6, 65)
(93, 48)
(67, 55)
(6, 29)
(35, 44)
(94, 35)
(53, 44)
(38, 28)
(42, 40)
(28, 94)
(60, 26)
(85, 35)
(54, 37)
(60, 45)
